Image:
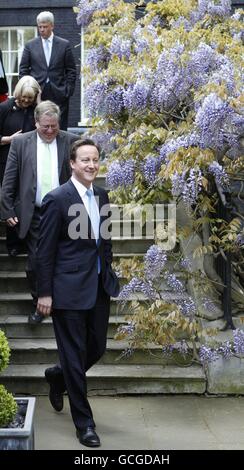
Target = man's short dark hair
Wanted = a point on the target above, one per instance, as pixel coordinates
(80, 143)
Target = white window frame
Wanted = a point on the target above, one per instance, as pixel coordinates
(19, 51)
(84, 119)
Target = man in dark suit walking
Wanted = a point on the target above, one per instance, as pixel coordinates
(75, 282)
(49, 59)
(37, 163)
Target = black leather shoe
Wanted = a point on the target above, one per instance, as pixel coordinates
(55, 396)
(88, 437)
(35, 318)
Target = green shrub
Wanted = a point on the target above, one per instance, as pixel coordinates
(4, 351)
(8, 407)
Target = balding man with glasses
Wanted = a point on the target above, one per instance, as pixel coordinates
(38, 162)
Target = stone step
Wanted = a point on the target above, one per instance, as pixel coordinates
(15, 282)
(7, 263)
(11, 281)
(2, 229)
(112, 379)
(16, 326)
(21, 303)
(120, 245)
(44, 351)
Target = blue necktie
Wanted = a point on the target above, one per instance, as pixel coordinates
(94, 218)
(47, 50)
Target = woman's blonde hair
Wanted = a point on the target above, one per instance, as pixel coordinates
(27, 84)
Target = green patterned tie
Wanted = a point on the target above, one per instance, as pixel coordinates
(46, 181)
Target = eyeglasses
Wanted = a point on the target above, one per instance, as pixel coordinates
(46, 127)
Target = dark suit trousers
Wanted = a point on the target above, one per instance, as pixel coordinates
(31, 244)
(81, 339)
(64, 105)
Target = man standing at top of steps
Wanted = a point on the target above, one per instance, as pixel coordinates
(49, 59)
(37, 163)
(75, 281)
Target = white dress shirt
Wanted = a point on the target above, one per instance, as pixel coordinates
(50, 41)
(82, 193)
(54, 155)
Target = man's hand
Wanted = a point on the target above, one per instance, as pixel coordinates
(12, 221)
(44, 305)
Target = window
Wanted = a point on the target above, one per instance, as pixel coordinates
(12, 42)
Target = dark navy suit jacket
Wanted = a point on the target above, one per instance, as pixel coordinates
(67, 268)
(61, 70)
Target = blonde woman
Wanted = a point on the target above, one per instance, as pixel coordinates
(17, 117)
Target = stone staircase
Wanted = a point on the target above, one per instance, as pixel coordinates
(33, 348)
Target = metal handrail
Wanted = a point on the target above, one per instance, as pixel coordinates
(223, 264)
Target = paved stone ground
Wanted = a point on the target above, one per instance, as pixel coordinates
(148, 423)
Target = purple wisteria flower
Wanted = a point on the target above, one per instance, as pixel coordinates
(181, 21)
(225, 73)
(192, 187)
(137, 285)
(238, 341)
(141, 43)
(203, 6)
(103, 139)
(171, 80)
(168, 350)
(237, 16)
(95, 95)
(128, 352)
(149, 168)
(120, 47)
(182, 347)
(135, 96)
(240, 239)
(187, 307)
(154, 262)
(97, 58)
(222, 10)
(207, 354)
(120, 174)
(187, 187)
(178, 183)
(172, 145)
(104, 99)
(186, 263)
(173, 282)
(87, 8)
(127, 329)
(114, 104)
(213, 119)
(202, 62)
(226, 350)
(219, 173)
(208, 304)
